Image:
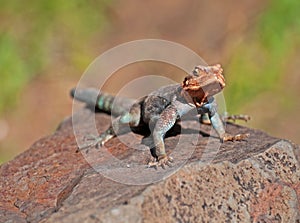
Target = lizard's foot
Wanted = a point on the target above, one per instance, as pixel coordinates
(97, 140)
(233, 118)
(162, 161)
(238, 137)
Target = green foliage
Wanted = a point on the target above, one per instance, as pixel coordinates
(12, 69)
(33, 34)
(259, 62)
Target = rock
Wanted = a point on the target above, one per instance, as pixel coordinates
(257, 180)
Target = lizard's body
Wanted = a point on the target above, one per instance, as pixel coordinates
(162, 108)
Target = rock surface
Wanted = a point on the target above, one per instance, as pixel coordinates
(257, 180)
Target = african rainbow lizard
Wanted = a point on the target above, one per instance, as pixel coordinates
(162, 108)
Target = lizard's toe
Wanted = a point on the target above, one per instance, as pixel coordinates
(97, 140)
(163, 162)
(238, 137)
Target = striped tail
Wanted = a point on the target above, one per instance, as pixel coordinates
(105, 102)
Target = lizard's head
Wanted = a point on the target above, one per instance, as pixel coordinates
(204, 82)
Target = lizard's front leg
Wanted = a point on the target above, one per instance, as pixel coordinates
(165, 122)
(218, 124)
(219, 127)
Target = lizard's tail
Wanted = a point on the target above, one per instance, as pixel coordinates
(103, 101)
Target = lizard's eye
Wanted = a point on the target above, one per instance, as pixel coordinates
(196, 71)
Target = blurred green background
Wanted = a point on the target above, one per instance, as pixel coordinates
(45, 47)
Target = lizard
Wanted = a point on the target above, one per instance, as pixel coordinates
(162, 108)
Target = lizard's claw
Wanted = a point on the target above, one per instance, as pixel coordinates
(161, 161)
(238, 137)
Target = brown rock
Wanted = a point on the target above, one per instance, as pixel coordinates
(257, 180)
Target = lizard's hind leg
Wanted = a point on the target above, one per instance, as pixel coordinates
(131, 118)
(233, 118)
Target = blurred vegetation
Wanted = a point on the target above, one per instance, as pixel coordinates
(256, 65)
(260, 61)
(25, 28)
(40, 36)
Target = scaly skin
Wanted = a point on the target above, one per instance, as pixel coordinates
(161, 109)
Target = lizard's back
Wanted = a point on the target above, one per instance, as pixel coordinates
(167, 92)
(158, 100)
